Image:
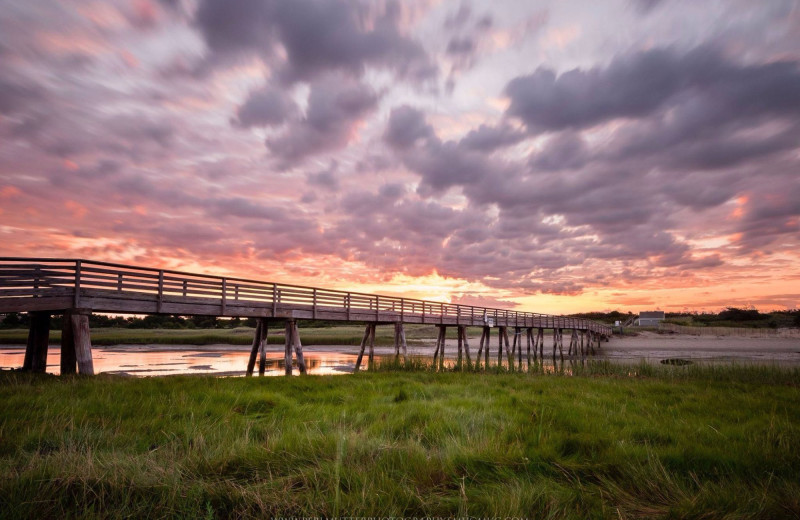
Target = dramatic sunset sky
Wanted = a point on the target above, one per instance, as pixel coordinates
(555, 156)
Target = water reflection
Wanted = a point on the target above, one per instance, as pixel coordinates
(137, 361)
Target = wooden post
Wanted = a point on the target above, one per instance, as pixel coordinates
(160, 302)
(27, 362)
(508, 351)
(38, 342)
(403, 343)
(444, 341)
(298, 348)
(439, 345)
(561, 344)
(76, 300)
(500, 332)
(480, 347)
(514, 344)
(466, 346)
(287, 351)
(460, 335)
(569, 348)
(251, 363)
(397, 340)
(68, 360)
(314, 303)
(528, 341)
(224, 303)
(262, 361)
(518, 340)
(363, 346)
(486, 354)
(371, 361)
(583, 349)
(83, 343)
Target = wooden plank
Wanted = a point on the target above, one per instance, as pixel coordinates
(45, 303)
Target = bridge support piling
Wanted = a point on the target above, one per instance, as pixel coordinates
(488, 344)
(400, 341)
(364, 341)
(509, 357)
(528, 341)
(500, 346)
(259, 345)
(466, 346)
(573, 343)
(583, 348)
(480, 347)
(541, 346)
(459, 334)
(514, 344)
(443, 345)
(68, 360)
(518, 334)
(262, 358)
(298, 348)
(371, 358)
(82, 341)
(38, 342)
(287, 349)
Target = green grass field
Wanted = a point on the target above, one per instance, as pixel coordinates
(609, 442)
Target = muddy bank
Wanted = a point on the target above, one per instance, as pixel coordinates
(654, 347)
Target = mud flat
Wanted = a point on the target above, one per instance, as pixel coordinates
(654, 347)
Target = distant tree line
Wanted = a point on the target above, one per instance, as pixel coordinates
(21, 320)
(730, 317)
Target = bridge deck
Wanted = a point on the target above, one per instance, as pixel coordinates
(58, 285)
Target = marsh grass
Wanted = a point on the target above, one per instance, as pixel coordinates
(608, 442)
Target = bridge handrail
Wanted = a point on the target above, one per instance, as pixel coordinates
(26, 277)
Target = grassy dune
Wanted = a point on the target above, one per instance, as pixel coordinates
(609, 442)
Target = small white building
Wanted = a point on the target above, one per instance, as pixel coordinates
(650, 318)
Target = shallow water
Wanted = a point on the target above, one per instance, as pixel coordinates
(231, 360)
(160, 360)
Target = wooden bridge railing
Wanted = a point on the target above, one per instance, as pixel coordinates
(67, 283)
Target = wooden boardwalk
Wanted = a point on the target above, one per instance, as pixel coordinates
(76, 288)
